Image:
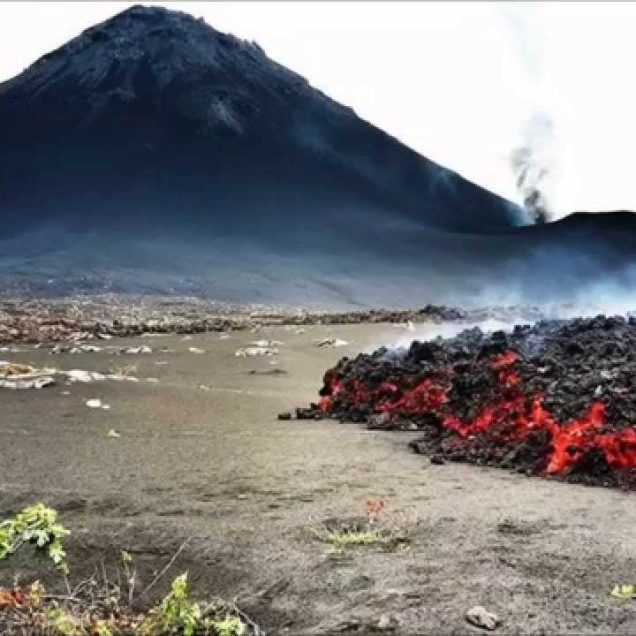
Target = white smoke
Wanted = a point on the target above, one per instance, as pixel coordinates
(533, 165)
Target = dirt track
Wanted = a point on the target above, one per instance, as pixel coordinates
(217, 466)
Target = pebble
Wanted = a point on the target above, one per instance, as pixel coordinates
(481, 617)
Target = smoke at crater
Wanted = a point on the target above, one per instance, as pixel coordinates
(532, 166)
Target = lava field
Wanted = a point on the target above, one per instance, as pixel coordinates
(556, 398)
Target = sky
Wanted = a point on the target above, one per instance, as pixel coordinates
(463, 84)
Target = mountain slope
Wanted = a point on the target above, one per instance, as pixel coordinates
(157, 122)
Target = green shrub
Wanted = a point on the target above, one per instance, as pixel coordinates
(36, 525)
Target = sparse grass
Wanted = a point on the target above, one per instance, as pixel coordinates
(389, 531)
(348, 538)
(349, 534)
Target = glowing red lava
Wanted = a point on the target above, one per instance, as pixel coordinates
(510, 414)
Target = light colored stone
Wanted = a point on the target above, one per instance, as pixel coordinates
(481, 617)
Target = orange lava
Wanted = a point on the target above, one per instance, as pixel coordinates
(510, 415)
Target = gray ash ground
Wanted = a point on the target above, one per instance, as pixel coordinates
(214, 467)
(556, 397)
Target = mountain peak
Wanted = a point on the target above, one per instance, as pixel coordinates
(156, 111)
(149, 13)
(153, 21)
(151, 32)
(154, 58)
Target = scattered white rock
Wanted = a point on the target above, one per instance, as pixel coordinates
(196, 350)
(80, 335)
(265, 343)
(152, 380)
(137, 350)
(104, 336)
(118, 377)
(80, 375)
(34, 383)
(387, 623)
(203, 387)
(250, 352)
(186, 338)
(94, 403)
(481, 617)
(113, 433)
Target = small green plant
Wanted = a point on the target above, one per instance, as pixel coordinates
(228, 626)
(101, 629)
(177, 613)
(36, 525)
(62, 622)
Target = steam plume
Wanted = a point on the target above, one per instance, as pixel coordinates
(531, 165)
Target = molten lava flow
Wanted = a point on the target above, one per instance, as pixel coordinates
(504, 359)
(332, 388)
(508, 377)
(501, 414)
(360, 394)
(425, 396)
(510, 415)
(571, 440)
(619, 448)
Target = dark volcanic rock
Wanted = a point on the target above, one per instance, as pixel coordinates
(557, 397)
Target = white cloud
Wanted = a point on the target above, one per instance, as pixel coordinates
(457, 82)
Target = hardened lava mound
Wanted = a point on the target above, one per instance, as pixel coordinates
(557, 398)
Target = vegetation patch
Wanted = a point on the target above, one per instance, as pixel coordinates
(99, 605)
(35, 526)
(377, 528)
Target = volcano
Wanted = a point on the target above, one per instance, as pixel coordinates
(155, 154)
